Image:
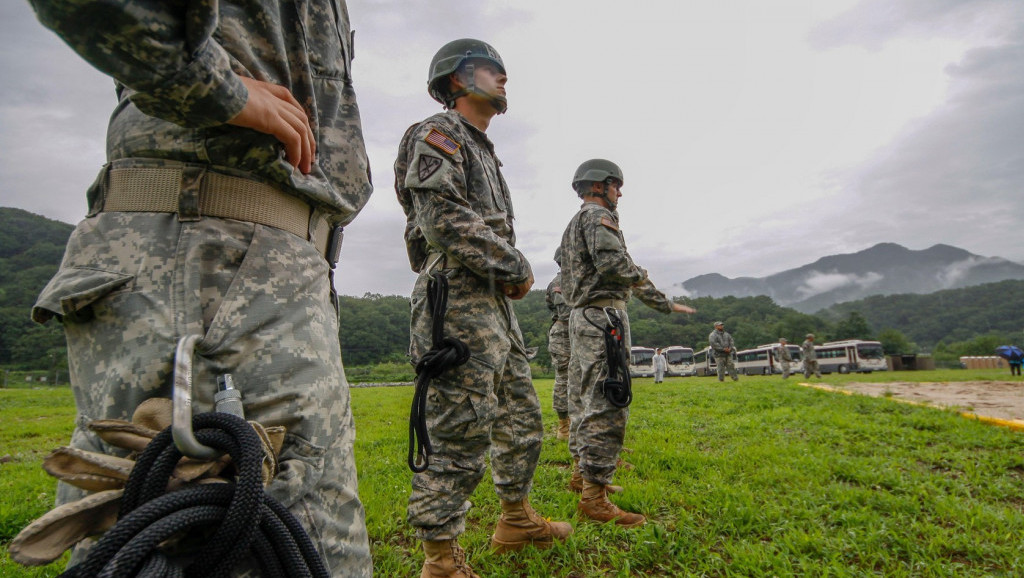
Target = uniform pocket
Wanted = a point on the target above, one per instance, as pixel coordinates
(302, 466)
(71, 293)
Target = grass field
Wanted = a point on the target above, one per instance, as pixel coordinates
(756, 478)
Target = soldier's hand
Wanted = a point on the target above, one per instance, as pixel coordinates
(271, 109)
(680, 308)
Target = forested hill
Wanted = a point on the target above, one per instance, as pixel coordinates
(952, 315)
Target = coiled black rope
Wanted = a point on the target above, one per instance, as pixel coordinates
(226, 522)
(618, 385)
(445, 353)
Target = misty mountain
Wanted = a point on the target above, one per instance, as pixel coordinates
(885, 269)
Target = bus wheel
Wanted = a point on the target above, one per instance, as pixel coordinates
(843, 369)
(766, 371)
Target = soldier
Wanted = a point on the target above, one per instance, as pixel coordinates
(597, 277)
(724, 347)
(233, 153)
(660, 365)
(558, 347)
(784, 356)
(459, 224)
(810, 357)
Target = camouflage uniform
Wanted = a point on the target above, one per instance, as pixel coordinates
(784, 356)
(597, 268)
(132, 283)
(719, 339)
(558, 344)
(810, 357)
(459, 222)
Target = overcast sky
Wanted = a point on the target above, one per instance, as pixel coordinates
(754, 136)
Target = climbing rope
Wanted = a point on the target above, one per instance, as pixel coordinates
(445, 353)
(617, 386)
(219, 524)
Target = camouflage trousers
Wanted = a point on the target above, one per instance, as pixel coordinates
(597, 428)
(132, 284)
(725, 363)
(558, 347)
(488, 404)
(785, 368)
(811, 366)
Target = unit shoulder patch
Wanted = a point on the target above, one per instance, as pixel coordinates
(609, 223)
(427, 166)
(442, 142)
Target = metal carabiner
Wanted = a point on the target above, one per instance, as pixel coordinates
(181, 423)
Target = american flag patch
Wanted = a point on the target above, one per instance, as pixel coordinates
(609, 223)
(441, 142)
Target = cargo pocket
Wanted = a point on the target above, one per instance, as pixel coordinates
(72, 292)
(302, 466)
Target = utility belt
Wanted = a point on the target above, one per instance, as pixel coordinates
(440, 261)
(194, 191)
(613, 303)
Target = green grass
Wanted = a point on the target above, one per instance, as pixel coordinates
(756, 478)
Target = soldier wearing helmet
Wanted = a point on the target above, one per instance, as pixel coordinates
(459, 224)
(598, 277)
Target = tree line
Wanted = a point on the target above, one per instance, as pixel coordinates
(375, 328)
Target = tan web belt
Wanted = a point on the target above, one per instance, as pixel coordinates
(613, 303)
(157, 190)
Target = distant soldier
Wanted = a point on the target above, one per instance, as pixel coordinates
(784, 356)
(660, 365)
(597, 277)
(558, 347)
(724, 348)
(459, 225)
(810, 357)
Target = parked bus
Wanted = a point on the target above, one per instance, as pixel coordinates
(704, 362)
(641, 362)
(763, 360)
(852, 355)
(680, 361)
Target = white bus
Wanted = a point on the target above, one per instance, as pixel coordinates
(641, 362)
(762, 360)
(852, 355)
(680, 361)
(704, 362)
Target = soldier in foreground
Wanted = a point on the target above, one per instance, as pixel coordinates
(810, 357)
(785, 357)
(597, 280)
(558, 347)
(235, 154)
(724, 347)
(459, 224)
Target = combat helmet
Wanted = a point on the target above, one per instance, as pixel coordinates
(597, 171)
(453, 55)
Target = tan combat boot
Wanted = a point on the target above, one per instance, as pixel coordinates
(576, 481)
(594, 504)
(520, 525)
(563, 429)
(445, 559)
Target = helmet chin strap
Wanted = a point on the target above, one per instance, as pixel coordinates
(500, 103)
(612, 203)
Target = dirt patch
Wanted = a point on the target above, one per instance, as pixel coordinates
(998, 399)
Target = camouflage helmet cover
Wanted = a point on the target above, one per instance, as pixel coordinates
(596, 170)
(453, 55)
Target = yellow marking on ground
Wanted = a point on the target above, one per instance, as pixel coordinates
(1013, 424)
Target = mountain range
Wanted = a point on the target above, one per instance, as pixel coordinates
(884, 269)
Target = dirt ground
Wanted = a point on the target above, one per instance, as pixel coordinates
(998, 399)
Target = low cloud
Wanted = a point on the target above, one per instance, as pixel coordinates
(817, 282)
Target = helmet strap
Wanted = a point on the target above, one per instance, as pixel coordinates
(499, 103)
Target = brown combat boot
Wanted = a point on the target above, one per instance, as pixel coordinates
(576, 481)
(594, 504)
(520, 525)
(445, 559)
(563, 428)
